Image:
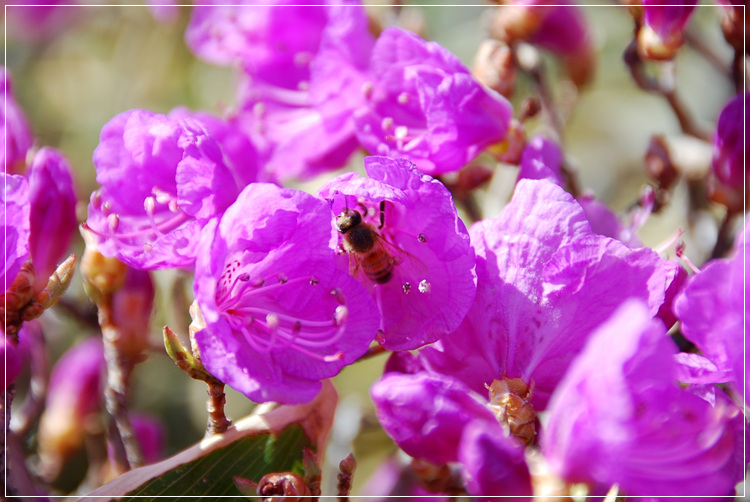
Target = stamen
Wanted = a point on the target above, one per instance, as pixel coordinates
(113, 221)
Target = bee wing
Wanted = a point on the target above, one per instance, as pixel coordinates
(402, 256)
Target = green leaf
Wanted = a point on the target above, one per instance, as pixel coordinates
(212, 475)
(268, 442)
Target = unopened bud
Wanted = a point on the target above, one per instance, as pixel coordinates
(283, 487)
(74, 394)
(197, 323)
(102, 275)
(661, 34)
(183, 358)
(56, 286)
(131, 312)
(659, 163)
(52, 214)
(495, 68)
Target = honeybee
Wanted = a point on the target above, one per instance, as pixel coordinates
(365, 245)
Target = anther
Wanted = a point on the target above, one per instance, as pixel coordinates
(96, 200)
(422, 238)
(243, 277)
(113, 221)
(403, 98)
(340, 315)
(106, 208)
(282, 278)
(313, 281)
(424, 286)
(387, 123)
(401, 132)
(406, 288)
(272, 321)
(367, 89)
(149, 204)
(173, 206)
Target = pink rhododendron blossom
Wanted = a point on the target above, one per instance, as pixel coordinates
(422, 271)
(545, 281)
(15, 225)
(16, 138)
(424, 105)
(280, 315)
(303, 72)
(162, 180)
(730, 142)
(542, 159)
(425, 414)
(437, 418)
(53, 222)
(493, 464)
(620, 417)
(713, 313)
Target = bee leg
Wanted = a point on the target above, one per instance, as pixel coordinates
(353, 265)
(382, 214)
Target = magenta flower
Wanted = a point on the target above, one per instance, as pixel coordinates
(712, 315)
(280, 316)
(542, 159)
(438, 419)
(17, 139)
(52, 212)
(663, 27)
(74, 393)
(545, 281)
(239, 152)
(303, 68)
(730, 143)
(619, 416)
(162, 180)
(419, 265)
(424, 105)
(15, 225)
(392, 479)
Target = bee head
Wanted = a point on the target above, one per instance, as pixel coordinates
(347, 220)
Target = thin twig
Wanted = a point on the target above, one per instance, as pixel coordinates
(116, 393)
(650, 84)
(217, 420)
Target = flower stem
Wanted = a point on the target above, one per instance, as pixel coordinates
(218, 423)
(116, 393)
(666, 89)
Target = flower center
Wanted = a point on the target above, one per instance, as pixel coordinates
(510, 401)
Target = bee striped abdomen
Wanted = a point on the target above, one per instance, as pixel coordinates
(378, 266)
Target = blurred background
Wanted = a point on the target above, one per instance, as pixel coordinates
(75, 68)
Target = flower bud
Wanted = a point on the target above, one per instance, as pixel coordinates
(495, 68)
(74, 394)
(730, 143)
(283, 487)
(131, 312)
(661, 34)
(52, 216)
(101, 275)
(15, 129)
